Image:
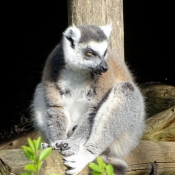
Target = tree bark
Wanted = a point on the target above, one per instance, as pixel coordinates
(158, 97)
(141, 160)
(161, 127)
(100, 12)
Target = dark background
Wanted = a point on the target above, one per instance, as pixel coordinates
(30, 31)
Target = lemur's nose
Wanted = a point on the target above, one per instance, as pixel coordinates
(104, 67)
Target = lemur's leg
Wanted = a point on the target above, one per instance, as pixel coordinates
(120, 117)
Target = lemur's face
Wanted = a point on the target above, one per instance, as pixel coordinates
(93, 56)
(86, 47)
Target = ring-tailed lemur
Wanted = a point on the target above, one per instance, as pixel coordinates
(87, 103)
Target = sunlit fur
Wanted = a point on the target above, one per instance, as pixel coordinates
(87, 103)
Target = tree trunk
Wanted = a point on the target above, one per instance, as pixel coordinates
(100, 12)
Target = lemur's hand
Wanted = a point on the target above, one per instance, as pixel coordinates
(46, 145)
(76, 163)
(67, 147)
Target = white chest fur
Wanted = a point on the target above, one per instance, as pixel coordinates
(75, 86)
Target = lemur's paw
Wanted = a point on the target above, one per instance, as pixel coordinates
(44, 145)
(54, 145)
(76, 163)
(62, 145)
(67, 147)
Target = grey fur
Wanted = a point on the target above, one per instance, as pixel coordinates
(91, 32)
(85, 110)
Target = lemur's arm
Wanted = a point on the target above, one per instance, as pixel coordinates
(119, 117)
(56, 118)
(57, 121)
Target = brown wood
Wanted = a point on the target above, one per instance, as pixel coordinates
(161, 127)
(158, 97)
(100, 12)
(140, 160)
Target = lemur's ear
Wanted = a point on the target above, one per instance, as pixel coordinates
(107, 29)
(72, 33)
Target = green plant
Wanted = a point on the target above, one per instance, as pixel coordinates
(33, 153)
(100, 168)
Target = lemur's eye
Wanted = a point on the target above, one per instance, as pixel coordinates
(89, 53)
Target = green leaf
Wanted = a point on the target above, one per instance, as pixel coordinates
(109, 169)
(45, 153)
(95, 167)
(104, 165)
(30, 167)
(28, 149)
(26, 173)
(100, 162)
(34, 141)
(28, 154)
(38, 143)
(31, 144)
(24, 147)
(40, 164)
(96, 173)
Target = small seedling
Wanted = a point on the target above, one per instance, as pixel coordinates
(33, 153)
(100, 168)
